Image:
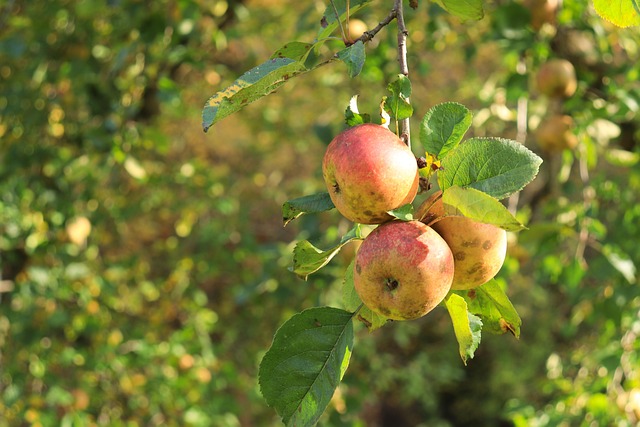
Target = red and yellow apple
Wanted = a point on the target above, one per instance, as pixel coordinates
(369, 171)
(403, 270)
(478, 249)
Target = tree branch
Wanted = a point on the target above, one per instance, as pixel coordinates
(369, 35)
(405, 132)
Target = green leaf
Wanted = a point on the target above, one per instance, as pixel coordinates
(463, 9)
(622, 13)
(330, 22)
(308, 259)
(352, 116)
(354, 56)
(398, 105)
(252, 85)
(352, 302)
(313, 203)
(404, 213)
(620, 261)
(478, 206)
(307, 360)
(493, 306)
(443, 127)
(466, 326)
(297, 51)
(497, 166)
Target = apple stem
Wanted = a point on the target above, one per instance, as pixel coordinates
(405, 132)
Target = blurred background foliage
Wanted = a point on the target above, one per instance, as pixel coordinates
(144, 263)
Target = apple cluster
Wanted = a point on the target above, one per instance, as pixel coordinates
(404, 269)
(556, 79)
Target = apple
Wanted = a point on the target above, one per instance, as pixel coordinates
(403, 270)
(478, 249)
(357, 28)
(369, 171)
(555, 133)
(542, 12)
(556, 78)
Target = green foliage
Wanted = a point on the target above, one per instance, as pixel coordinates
(479, 206)
(159, 313)
(352, 116)
(397, 105)
(466, 326)
(252, 85)
(496, 166)
(354, 57)
(308, 259)
(309, 355)
(623, 13)
(493, 306)
(463, 9)
(313, 203)
(443, 127)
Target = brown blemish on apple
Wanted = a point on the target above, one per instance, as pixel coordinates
(358, 268)
(471, 243)
(459, 256)
(487, 245)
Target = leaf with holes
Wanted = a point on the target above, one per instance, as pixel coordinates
(497, 166)
(307, 360)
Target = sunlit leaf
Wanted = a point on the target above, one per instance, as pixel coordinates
(313, 203)
(443, 127)
(493, 306)
(352, 302)
(252, 85)
(466, 327)
(622, 13)
(478, 206)
(307, 360)
(463, 9)
(497, 166)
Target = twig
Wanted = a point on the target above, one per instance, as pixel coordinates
(402, 60)
(335, 10)
(369, 35)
